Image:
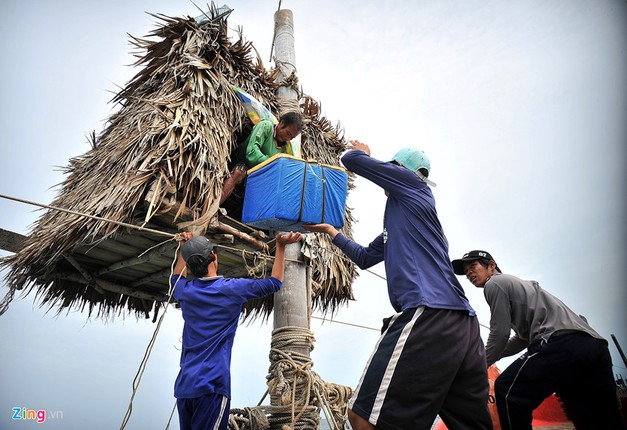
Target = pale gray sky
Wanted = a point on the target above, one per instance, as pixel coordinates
(521, 107)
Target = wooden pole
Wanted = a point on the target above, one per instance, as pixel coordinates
(285, 60)
(292, 341)
(290, 304)
(285, 57)
(620, 350)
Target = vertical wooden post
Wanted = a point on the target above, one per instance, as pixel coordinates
(291, 303)
(284, 50)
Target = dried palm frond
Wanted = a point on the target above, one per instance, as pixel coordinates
(161, 159)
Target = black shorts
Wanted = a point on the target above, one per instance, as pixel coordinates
(426, 362)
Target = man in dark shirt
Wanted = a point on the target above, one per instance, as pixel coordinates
(430, 359)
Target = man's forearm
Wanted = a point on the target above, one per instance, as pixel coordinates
(180, 266)
(278, 268)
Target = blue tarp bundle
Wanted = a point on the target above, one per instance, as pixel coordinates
(285, 192)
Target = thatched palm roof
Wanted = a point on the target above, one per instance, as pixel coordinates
(161, 160)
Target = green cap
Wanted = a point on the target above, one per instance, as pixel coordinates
(414, 160)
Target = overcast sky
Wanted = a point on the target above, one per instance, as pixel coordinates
(521, 107)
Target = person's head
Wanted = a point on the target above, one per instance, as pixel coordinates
(477, 265)
(415, 160)
(290, 125)
(198, 254)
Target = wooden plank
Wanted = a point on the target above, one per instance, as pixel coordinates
(157, 276)
(112, 287)
(242, 236)
(242, 227)
(147, 257)
(11, 241)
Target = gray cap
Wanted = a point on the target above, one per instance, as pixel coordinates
(198, 245)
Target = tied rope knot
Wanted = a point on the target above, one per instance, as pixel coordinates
(298, 394)
(259, 266)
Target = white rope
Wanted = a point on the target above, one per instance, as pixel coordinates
(151, 344)
(297, 393)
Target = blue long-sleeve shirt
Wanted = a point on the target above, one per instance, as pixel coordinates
(412, 244)
(211, 309)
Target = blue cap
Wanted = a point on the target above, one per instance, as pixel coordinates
(414, 160)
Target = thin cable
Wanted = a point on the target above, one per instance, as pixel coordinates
(151, 344)
(375, 274)
(136, 227)
(345, 323)
(123, 224)
(274, 34)
(171, 415)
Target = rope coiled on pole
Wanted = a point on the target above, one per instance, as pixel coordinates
(297, 393)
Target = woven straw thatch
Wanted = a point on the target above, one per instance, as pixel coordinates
(161, 160)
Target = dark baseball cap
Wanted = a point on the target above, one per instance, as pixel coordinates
(198, 245)
(458, 265)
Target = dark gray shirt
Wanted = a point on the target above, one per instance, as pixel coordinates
(532, 313)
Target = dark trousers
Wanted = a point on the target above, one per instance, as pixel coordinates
(577, 367)
(210, 412)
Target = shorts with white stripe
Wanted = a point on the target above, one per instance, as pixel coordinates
(427, 362)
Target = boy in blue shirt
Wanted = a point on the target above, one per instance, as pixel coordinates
(430, 358)
(211, 307)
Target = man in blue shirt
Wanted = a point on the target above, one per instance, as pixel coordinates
(430, 358)
(211, 307)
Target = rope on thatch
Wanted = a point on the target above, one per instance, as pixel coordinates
(173, 236)
(297, 393)
(85, 278)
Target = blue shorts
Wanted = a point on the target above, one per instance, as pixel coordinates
(210, 412)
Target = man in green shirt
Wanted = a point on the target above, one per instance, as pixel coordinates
(265, 140)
